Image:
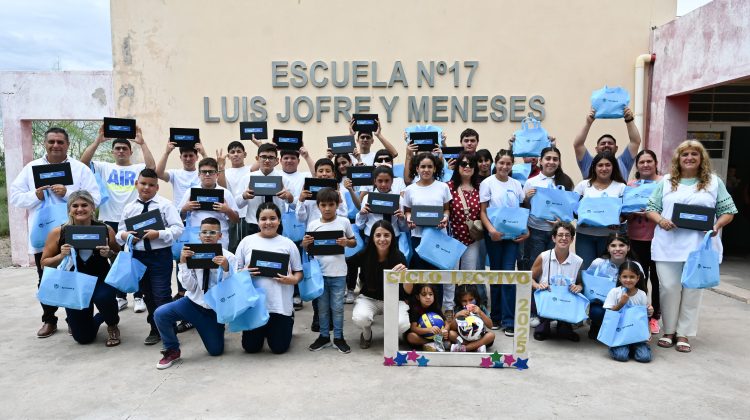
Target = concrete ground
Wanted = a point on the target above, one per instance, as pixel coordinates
(57, 378)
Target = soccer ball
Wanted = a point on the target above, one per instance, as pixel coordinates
(470, 327)
(429, 320)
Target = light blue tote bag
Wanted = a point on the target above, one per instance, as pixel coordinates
(521, 172)
(67, 289)
(701, 270)
(191, 235)
(126, 272)
(599, 211)
(232, 296)
(254, 317)
(439, 249)
(348, 252)
(512, 222)
(629, 325)
(292, 228)
(531, 139)
(635, 199)
(103, 189)
(610, 102)
(559, 303)
(51, 214)
(554, 203)
(404, 245)
(311, 286)
(596, 285)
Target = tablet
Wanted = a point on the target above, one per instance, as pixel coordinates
(688, 216)
(265, 185)
(287, 139)
(119, 128)
(250, 128)
(427, 215)
(324, 243)
(86, 237)
(204, 253)
(366, 122)
(316, 184)
(207, 197)
(150, 220)
(451, 152)
(383, 203)
(184, 137)
(360, 175)
(270, 264)
(52, 174)
(425, 140)
(341, 144)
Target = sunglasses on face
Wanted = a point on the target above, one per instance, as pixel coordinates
(209, 172)
(464, 164)
(383, 159)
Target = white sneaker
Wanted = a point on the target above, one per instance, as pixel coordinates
(482, 349)
(139, 305)
(534, 322)
(349, 298)
(121, 304)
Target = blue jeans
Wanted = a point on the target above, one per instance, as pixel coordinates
(537, 242)
(641, 352)
(204, 320)
(589, 248)
(278, 333)
(84, 324)
(503, 297)
(331, 303)
(156, 283)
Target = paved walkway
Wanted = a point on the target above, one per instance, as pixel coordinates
(57, 378)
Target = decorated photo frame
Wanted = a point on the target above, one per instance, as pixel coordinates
(517, 359)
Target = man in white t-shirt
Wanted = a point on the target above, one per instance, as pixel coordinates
(231, 178)
(25, 195)
(364, 141)
(181, 179)
(120, 178)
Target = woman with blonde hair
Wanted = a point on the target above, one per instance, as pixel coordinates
(689, 181)
(83, 324)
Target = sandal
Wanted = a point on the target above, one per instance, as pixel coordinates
(683, 346)
(666, 341)
(114, 336)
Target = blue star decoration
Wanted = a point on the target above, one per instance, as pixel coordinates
(400, 358)
(521, 364)
(422, 361)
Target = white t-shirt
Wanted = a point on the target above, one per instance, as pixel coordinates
(615, 189)
(120, 182)
(366, 158)
(294, 183)
(196, 216)
(538, 181)
(251, 206)
(435, 194)
(234, 178)
(614, 295)
(332, 265)
(366, 221)
(182, 181)
(500, 193)
(278, 296)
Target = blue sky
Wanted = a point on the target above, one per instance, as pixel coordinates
(35, 34)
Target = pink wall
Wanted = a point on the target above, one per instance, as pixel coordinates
(704, 48)
(26, 96)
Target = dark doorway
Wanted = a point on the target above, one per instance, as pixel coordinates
(735, 237)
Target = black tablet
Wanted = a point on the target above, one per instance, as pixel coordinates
(204, 253)
(265, 185)
(383, 203)
(425, 140)
(269, 263)
(324, 243)
(184, 137)
(451, 152)
(341, 144)
(86, 237)
(150, 220)
(366, 122)
(207, 197)
(688, 216)
(427, 215)
(360, 175)
(52, 174)
(119, 128)
(287, 139)
(316, 184)
(257, 128)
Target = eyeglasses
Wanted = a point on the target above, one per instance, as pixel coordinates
(383, 159)
(209, 172)
(209, 232)
(563, 235)
(464, 164)
(267, 158)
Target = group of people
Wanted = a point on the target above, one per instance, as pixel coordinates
(633, 253)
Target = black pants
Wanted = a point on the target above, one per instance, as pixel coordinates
(119, 294)
(278, 334)
(642, 250)
(48, 312)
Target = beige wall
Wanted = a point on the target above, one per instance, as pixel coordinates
(168, 55)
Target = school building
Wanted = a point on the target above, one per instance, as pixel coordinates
(309, 65)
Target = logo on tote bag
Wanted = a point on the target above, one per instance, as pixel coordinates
(224, 299)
